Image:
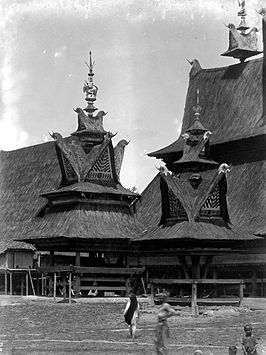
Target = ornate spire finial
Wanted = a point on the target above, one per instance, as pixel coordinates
(242, 13)
(90, 89)
(197, 109)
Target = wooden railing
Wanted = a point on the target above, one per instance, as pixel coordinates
(195, 282)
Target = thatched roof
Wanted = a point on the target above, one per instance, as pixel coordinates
(245, 203)
(226, 111)
(27, 173)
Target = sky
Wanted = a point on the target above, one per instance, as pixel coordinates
(140, 49)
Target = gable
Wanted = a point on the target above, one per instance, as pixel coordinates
(102, 169)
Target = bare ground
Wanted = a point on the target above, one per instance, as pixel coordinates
(43, 327)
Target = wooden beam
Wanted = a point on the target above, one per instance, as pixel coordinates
(104, 288)
(92, 270)
(198, 281)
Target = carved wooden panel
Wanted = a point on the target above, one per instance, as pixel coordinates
(102, 169)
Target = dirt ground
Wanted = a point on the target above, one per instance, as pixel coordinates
(31, 326)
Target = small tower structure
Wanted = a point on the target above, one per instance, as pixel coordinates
(196, 151)
(243, 42)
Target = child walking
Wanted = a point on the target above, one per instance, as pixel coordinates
(249, 342)
(162, 329)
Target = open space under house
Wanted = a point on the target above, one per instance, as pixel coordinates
(68, 223)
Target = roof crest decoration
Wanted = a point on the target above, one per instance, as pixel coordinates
(242, 44)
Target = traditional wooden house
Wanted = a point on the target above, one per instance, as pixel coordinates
(201, 218)
(204, 213)
(66, 197)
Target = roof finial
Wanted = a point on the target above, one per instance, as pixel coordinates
(242, 26)
(89, 88)
(197, 109)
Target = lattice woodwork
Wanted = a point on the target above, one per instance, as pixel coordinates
(212, 204)
(102, 169)
(175, 207)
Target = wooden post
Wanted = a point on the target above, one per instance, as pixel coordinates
(22, 285)
(38, 285)
(45, 285)
(194, 306)
(31, 282)
(215, 276)
(10, 283)
(54, 286)
(6, 281)
(42, 285)
(27, 283)
(254, 283)
(241, 293)
(77, 277)
(69, 291)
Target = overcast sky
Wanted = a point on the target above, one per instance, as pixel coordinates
(140, 48)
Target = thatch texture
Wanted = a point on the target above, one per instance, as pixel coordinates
(93, 222)
(231, 101)
(24, 174)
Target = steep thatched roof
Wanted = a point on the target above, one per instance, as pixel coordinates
(27, 173)
(245, 202)
(231, 101)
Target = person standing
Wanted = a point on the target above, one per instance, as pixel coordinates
(131, 314)
(162, 329)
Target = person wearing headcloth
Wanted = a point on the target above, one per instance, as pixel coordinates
(131, 314)
(162, 329)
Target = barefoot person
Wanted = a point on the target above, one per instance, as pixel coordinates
(249, 342)
(162, 329)
(131, 314)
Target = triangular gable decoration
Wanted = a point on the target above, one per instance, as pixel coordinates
(211, 206)
(102, 169)
(175, 207)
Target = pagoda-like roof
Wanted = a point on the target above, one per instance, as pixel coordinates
(226, 111)
(25, 174)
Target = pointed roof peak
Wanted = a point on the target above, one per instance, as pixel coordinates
(197, 127)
